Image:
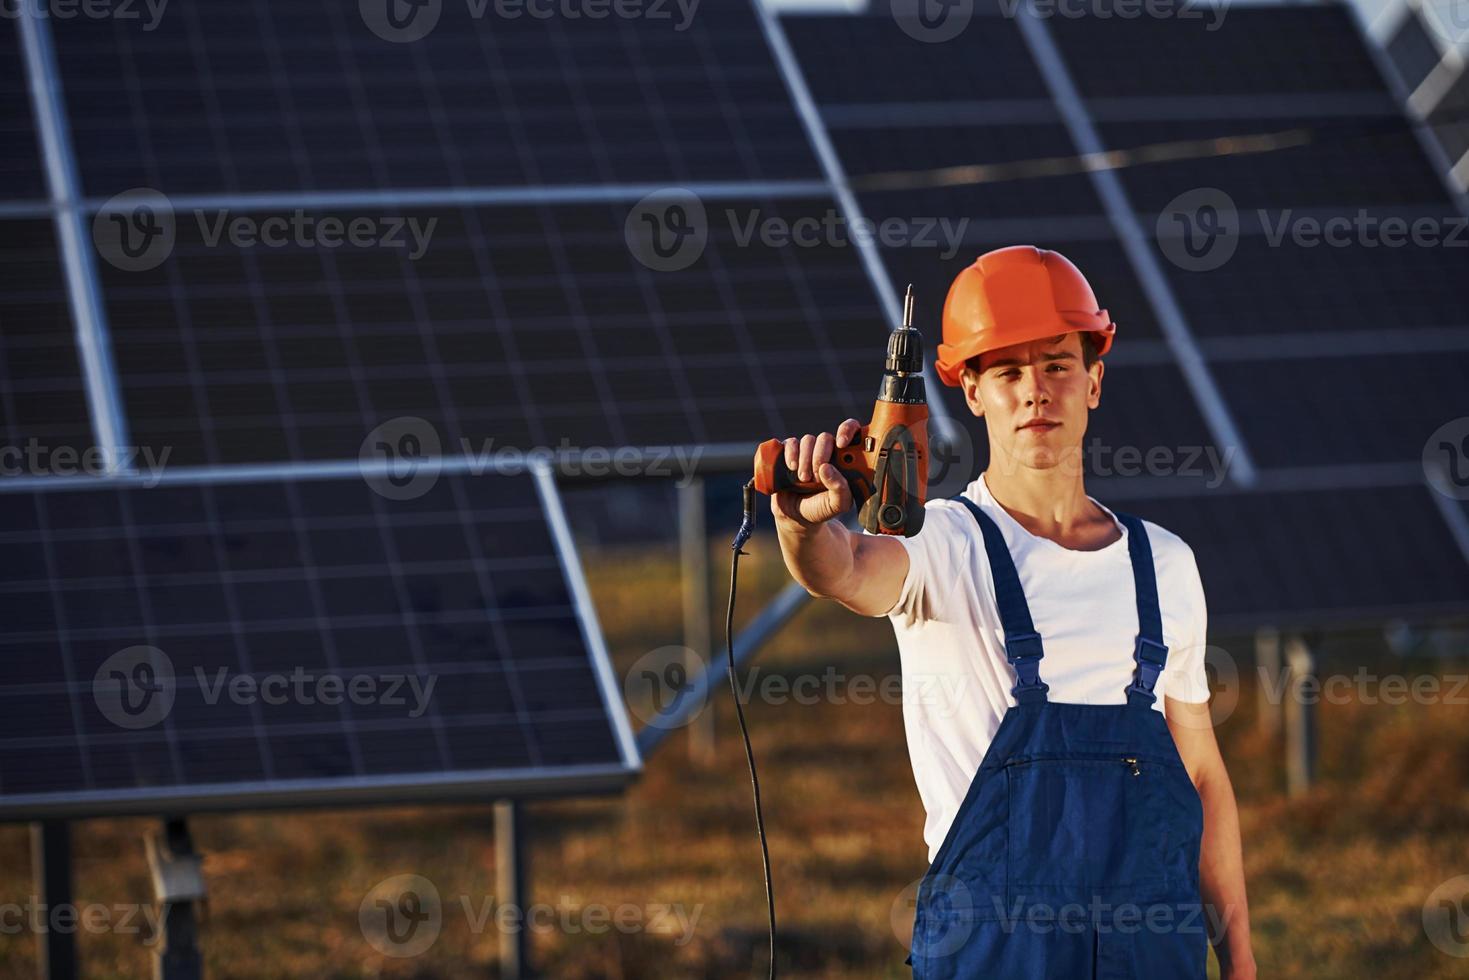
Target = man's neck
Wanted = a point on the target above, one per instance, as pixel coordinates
(1052, 503)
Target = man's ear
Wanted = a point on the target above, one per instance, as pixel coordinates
(969, 383)
(1094, 391)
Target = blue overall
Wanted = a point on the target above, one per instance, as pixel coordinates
(1075, 854)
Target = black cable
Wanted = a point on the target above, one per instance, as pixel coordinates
(747, 527)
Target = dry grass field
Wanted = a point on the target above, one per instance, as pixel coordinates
(1337, 879)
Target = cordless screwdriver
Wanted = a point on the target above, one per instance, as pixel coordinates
(887, 464)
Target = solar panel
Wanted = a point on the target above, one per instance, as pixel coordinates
(41, 399)
(1317, 410)
(872, 60)
(1204, 52)
(1318, 557)
(198, 646)
(518, 326)
(21, 177)
(1293, 162)
(1334, 292)
(274, 97)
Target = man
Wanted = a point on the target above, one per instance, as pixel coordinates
(1080, 821)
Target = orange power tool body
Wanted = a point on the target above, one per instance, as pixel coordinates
(887, 464)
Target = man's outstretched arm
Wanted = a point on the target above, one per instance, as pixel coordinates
(1221, 855)
(862, 572)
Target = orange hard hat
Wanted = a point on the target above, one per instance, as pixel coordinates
(1013, 295)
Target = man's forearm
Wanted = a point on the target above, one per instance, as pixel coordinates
(1222, 879)
(819, 556)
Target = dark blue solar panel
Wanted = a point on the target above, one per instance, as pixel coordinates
(21, 176)
(1260, 289)
(1318, 557)
(877, 58)
(42, 402)
(270, 96)
(1282, 163)
(306, 637)
(1329, 411)
(517, 326)
(1216, 49)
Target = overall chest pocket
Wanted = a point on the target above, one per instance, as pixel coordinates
(1090, 824)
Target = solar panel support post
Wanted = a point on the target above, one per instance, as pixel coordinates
(1300, 717)
(56, 952)
(693, 537)
(178, 885)
(510, 879)
(1267, 663)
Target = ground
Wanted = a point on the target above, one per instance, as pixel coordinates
(1337, 879)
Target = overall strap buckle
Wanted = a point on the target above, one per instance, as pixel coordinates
(1024, 652)
(1150, 657)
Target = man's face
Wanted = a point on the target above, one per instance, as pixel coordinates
(1034, 399)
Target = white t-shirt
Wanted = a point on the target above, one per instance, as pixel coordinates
(1084, 606)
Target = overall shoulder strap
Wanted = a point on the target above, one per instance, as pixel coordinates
(1022, 643)
(1149, 653)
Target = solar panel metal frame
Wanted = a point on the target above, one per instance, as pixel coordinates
(443, 787)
